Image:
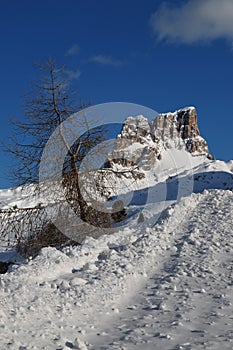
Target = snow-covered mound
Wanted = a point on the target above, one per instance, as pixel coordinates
(168, 286)
(22, 197)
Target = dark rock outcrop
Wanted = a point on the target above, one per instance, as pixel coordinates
(4, 265)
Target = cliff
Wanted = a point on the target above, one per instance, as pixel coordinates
(142, 143)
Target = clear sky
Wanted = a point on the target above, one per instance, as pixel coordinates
(163, 56)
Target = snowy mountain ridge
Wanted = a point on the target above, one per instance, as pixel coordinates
(164, 150)
(163, 280)
(146, 154)
(143, 143)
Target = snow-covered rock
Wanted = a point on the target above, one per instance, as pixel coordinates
(141, 143)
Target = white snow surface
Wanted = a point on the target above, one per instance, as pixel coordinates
(162, 281)
(163, 286)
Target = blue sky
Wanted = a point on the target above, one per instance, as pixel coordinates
(163, 56)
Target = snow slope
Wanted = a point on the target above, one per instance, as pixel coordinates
(164, 287)
(163, 280)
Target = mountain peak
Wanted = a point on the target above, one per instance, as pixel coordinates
(142, 143)
(181, 127)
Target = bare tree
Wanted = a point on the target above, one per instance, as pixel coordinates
(48, 105)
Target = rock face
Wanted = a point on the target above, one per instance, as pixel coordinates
(141, 143)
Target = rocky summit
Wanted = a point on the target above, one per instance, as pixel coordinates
(142, 143)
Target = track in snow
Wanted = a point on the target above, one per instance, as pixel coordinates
(186, 302)
(168, 287)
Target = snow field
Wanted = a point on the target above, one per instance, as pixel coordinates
(162, 287)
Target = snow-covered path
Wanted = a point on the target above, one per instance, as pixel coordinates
(165, 287)
(186, 302)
